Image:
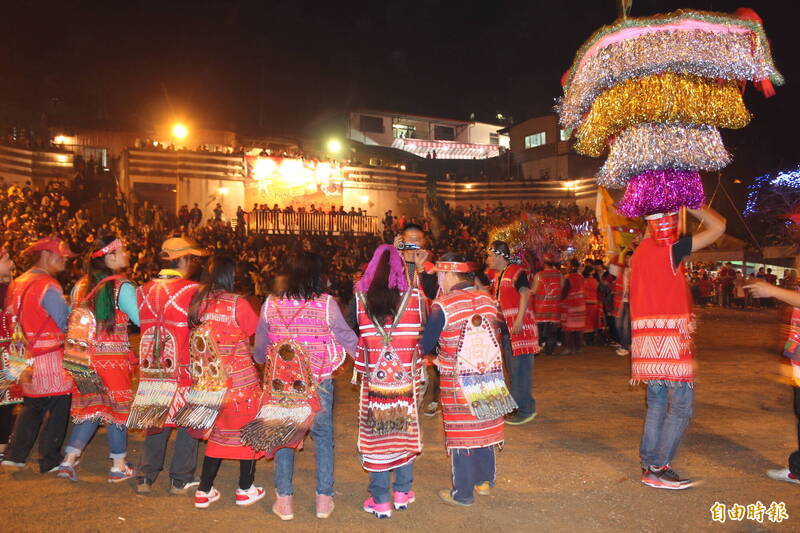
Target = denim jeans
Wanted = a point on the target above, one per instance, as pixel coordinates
(471, 467)
(82, 433)
(520, 370)
(379, 482)
(669, 409)
(184, 457)
(624, 326)
(322, 433)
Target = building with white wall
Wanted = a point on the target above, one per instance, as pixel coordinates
(426, 136)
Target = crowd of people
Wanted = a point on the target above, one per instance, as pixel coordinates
(723, 285)
(435, 317)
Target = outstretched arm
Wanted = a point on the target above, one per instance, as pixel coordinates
(762, 289)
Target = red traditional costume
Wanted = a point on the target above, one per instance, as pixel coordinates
(548, 296)
(791, 350)
(461, 428)
(594, 311)
(232, 322)
(164, 303)
(113, 361)
(14, 393)
(503, 287)
(387, 451)
(46, 340)
(661, 316)
(574, 304)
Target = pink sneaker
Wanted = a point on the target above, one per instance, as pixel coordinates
(381, 510)
(283, 507)
(203, 499)
(403, 499)
(249, 496)
(324, 506)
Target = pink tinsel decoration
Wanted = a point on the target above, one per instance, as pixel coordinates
(397, 274)
(661, 191)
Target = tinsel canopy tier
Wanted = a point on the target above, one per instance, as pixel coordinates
(711, 45)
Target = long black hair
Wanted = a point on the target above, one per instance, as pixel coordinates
(304, 276)
(96, 270)
(220, 276)
(382, 302)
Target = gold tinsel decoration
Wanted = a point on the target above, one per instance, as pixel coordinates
(660, 98)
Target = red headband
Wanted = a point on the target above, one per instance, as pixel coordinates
(453, 266)
(116, 244)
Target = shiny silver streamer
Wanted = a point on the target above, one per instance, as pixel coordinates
(728, 56)
(201, 408)
(151, 403)
(659, 147)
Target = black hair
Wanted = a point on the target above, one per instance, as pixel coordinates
(412, 225)
(304, 276)
(220, 276)
(382, 302)
(458, 257)
(103, 305)
(502, 247)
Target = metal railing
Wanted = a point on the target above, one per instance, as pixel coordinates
(283, 222)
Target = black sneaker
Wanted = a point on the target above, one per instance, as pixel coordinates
(655, 478)
(668, 473)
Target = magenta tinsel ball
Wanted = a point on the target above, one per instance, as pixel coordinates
(661, 191)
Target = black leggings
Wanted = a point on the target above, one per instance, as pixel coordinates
(6, 422)
(247, 473)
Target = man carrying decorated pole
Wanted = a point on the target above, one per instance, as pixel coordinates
(510, 288)
(463, 322)
(661, 348)
(164, 362)
(37, 301)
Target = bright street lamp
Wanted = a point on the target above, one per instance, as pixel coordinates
(180, 131)
(334, 146)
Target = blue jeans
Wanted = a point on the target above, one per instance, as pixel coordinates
(471, 467)
(379, 482)
(623, 323)
(322, 433)
(520, 370)
(669, 409)
(82, 433)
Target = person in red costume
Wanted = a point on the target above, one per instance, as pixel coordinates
(37, 301)
(11, 397)
(164, 303)
(661, 346)
(510, 288)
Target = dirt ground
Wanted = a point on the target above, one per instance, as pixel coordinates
(575, 468)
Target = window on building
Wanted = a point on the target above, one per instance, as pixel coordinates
(537, 139)
(371, 124)
(444, 133)
(404, 131)
(565, 134)
(494, 139)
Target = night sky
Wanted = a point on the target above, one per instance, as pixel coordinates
(270, 66)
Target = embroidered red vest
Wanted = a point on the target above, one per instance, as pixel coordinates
(502, 286)
(165, 301)
(661, 321)
(548, 296)
(306, 323)
(23, 300)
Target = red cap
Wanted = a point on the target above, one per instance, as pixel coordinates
(51, 244)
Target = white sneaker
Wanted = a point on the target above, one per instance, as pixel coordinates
(203, 499)
(12, 464)
(782, 474)
(249, 496)
(622, 352)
